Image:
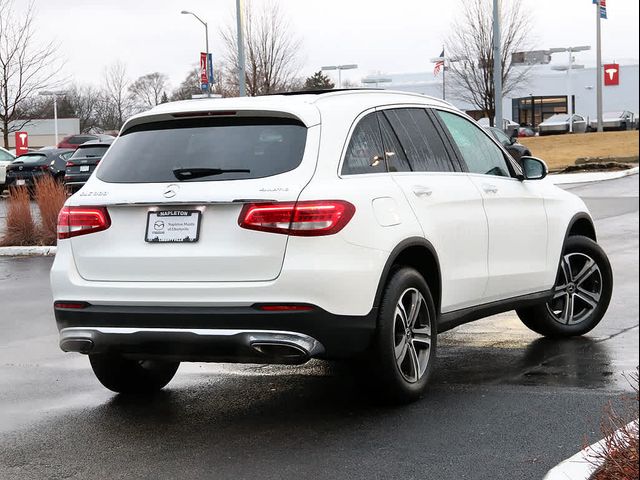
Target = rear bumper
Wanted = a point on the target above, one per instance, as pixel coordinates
(237, 334)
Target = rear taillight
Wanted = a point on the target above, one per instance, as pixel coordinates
(306, 219)
(74, 221)
(70, 164)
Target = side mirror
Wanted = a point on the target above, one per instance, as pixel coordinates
(533, 168)
(513, 139)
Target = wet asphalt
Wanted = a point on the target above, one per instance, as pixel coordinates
(505, 403)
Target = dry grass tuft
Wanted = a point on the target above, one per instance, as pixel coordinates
(619, 458)
(50, 196)
(20, 228)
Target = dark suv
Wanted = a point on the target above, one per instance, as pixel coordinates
(84, 161)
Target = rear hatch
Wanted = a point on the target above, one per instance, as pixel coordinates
(85, 159)
(174, 191)
(28, 165)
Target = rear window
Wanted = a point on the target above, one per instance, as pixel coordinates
(89, 152)
(31, 158)
(154, 152)
(80, 139)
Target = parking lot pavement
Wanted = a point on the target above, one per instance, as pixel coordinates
(504, 403)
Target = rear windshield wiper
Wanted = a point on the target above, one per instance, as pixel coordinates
(199, 172)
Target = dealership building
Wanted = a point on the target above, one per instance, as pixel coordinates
(544, 92)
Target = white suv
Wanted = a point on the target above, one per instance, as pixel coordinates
(330, 225)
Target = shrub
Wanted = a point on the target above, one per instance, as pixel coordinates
(618, 460)
(50, 196)
(20, 228)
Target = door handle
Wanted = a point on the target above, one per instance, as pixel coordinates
(488, 188)
(421, 191)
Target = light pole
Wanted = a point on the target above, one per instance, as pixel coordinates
(240, 27)
(55, 95)
(599, 67)
(497, 66)
(568, 68)
(206, 34)
(339, 68)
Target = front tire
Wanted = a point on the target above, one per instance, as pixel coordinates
(582, 292)
(403, 353)
(123, 375)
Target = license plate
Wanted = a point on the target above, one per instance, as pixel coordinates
(173, 226)
(20, 182)
(84, 168)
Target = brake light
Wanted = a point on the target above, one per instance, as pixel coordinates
(71, 164)
(71, 305)
(305, 219)
(285, 308)
(74, 221)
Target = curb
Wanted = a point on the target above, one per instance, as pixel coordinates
(36, 251)
(587, 177)
(579, 467)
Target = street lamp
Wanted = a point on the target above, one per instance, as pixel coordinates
(54, 94)
(568, 69)
(376, 79)
(206, 34)
(339, 68)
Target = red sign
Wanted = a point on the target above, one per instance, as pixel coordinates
(611, 74)
(22, 143)
(204, 78)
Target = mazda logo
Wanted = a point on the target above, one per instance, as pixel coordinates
(171, 191)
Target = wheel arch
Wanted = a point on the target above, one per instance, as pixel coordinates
(581, 224)
(420, 254)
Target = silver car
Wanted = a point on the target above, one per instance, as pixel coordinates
(621, 120)
(559, 123)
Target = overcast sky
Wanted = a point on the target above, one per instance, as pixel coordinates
(383, 36)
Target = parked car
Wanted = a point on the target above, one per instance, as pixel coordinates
(526, 132)
(508, 126)
(83, 162)
(622, 120)
(27, 168)
(74, 141)
(511, 144)
(5, 159)
(329, 225)
(559, 123)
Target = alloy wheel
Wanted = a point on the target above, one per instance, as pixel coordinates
(577, 290)
(412, 335)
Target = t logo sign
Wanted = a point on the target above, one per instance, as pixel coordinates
(611, 74)
(22, 143)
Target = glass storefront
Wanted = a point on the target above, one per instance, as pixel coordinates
(533, 110)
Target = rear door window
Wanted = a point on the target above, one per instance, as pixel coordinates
(424, 148)
(365, 151)
(215, 149)
(393, 151)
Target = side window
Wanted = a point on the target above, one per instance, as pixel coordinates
(365, 152)
(425, 149)
(5, 157)
(501, 137)
(479, 153)
(393, 151)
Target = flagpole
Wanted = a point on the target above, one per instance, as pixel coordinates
(598, 67)
(444, 69)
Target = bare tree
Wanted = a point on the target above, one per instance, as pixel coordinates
(25, 66)
(83, 102)
(189, 86)
(115, 103)
(272, 51)
(470, 71)
(147, 91)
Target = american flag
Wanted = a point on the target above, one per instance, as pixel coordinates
(439, 64)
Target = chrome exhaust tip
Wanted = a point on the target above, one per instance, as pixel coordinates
(285, 352)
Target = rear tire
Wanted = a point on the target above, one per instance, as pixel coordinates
(123, 375)
(582, 292)
(403, 353)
